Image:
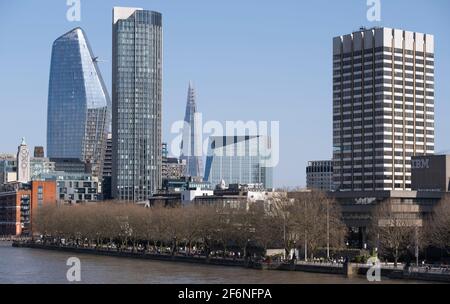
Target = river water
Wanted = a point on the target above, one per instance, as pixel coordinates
(24, 265)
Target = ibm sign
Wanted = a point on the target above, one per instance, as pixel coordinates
(420, 163)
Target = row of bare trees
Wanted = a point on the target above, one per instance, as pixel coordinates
(401, 230)
(311, 221)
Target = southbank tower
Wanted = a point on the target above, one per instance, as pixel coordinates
(136, 103)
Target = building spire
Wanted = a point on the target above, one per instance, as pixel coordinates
(191, 144)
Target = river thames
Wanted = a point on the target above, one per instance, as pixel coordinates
(32, 266)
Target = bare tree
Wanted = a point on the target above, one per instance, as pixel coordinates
(393, 230)
(316, 220)
(437, 226)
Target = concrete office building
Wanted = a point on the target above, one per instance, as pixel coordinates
(137, 98)
(430, 177)
(357, 208)
(383, 107)
(172, 168)
(319, 175)
(431, 173)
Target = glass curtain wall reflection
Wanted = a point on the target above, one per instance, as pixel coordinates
(137, 95)
(78, 103)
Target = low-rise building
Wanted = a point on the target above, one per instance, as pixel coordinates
(40, 166)
(358, 207)
(37, 166)
(74, 188)
(8, 168)
(430, 173)
(172, 168)
(319, 175)
(19, 203)
(15, 205)
(234, 196)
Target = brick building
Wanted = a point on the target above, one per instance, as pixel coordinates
(19, 203)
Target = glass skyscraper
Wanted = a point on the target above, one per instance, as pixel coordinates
(239, 160)
(78, 103)
(191, 150)
(137, 95)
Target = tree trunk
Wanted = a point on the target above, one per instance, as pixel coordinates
(395, 257)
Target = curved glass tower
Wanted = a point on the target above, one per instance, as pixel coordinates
(78, 103)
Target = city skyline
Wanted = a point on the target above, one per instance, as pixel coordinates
(215, 92)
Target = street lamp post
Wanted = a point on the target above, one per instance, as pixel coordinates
(284, 233)
(328, 230)
(306, 236)
(417, 247)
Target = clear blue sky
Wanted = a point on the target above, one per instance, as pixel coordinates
(250, 60)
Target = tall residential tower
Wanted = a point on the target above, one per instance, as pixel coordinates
(136, 96)
(78, 103)
(383, 107)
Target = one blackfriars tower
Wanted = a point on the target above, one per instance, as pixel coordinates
(136, 103)
(78, 103)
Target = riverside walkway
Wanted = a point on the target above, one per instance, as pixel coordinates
(436, 274)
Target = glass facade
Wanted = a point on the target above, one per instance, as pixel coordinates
(78, 103)
(40, 166)
(239, 160)
(319, 175)
(137, 95)
(8, 167)
(192, 145)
